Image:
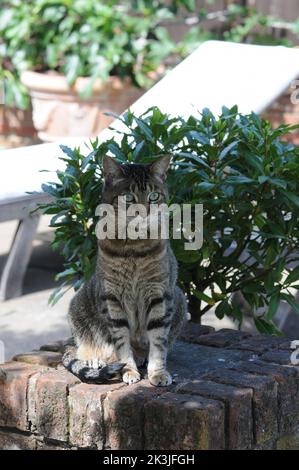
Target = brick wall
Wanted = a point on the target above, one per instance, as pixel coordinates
(231, 390)
(16, 121)
(283, 111)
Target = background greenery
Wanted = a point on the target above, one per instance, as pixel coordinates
(245, 176)
(87, 38)
(126, 38)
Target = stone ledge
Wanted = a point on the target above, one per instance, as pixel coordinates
(231, 391)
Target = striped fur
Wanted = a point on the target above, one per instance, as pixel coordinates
(131, 309)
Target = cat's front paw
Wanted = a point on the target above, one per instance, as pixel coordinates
(131, 376)
(160, 378)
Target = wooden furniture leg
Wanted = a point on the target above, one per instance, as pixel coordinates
(11, 282)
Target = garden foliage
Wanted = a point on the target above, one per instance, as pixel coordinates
(240, 169)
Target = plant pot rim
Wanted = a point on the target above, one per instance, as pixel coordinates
(57, 83)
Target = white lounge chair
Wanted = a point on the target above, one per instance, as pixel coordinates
(216, 74)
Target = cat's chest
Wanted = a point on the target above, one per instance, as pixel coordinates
(131, 281)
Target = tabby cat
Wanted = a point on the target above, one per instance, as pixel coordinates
(131, 309)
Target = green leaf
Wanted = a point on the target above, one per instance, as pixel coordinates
(68, 151)
(49, 189)
(239, 180)
(114, 148)
(138, 149)
(227, 149)
(293, 276)
(222, 309)
(66, 273)
(251, 287)
(290, 299)
(204, 297)
(292, 197)
(237, 313)
(72, 68)
(145, 129)
(273, 306)
(266, 327)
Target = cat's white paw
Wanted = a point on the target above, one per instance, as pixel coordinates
(131, 376)
(160, 378)
(95, 363)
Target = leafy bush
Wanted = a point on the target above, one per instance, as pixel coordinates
(238, 23)
(127, 38)
(87, 38)
(245, 176)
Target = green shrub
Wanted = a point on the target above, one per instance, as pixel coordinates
(87, 38)
(95, 39)
(238, 23)
(245, 176)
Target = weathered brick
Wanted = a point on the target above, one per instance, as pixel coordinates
(190, 361)
(225, 397)
(56, 346)
(192, 331)
(223, 338)
(13, 394)
(278, 357)
(45, 444)
(287, 379)
(15, 441)
(183, 422)
(264, 400)
(86, 414)
(51, 404)
(289, 442)
(263, 343)
(269, 445)
(238, 408)
(123, 414)
(44, 358)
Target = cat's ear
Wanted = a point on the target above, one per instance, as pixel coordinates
(112, 170)
(159, 167)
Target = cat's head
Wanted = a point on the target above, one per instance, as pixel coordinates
(139, 184)
(134, 193)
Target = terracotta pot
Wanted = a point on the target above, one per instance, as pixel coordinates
(59, 111)
(14, 121)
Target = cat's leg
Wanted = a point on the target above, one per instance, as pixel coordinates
(158, 324)
(180, 316)
(92, 338)
(120, 332)
(96, 355)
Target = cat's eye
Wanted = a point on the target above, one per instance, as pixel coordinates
(154, 196)
(129, 197)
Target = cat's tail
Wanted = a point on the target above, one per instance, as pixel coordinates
(87, 374)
